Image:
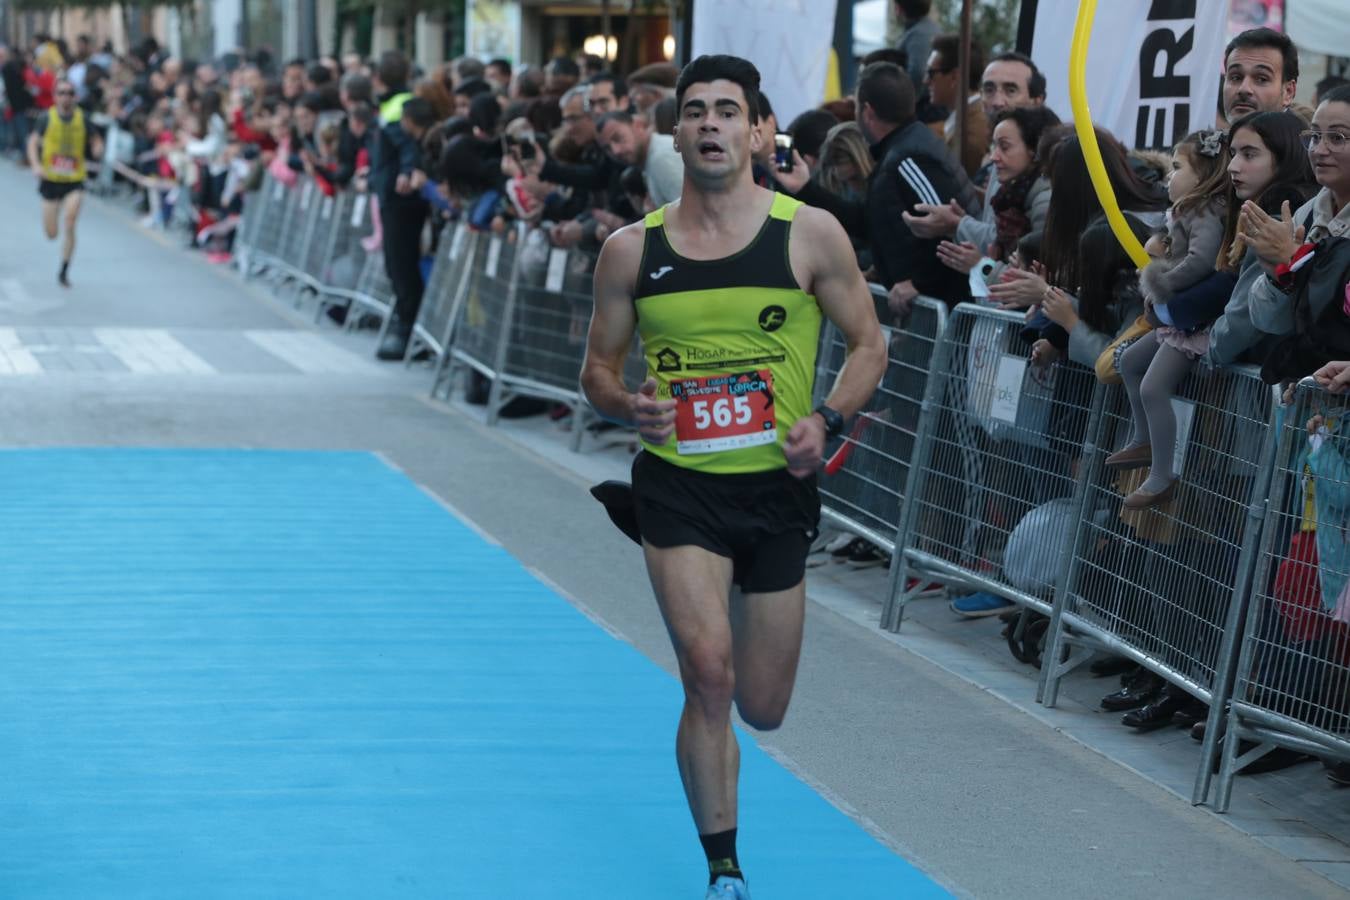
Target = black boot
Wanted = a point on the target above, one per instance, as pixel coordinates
(1159, 713)
(395, 343)
(1192, 712)
(1140, 689)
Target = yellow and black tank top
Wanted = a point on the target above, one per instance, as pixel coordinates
(63, 143)
(733, 341)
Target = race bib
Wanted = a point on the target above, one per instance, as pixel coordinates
(724, 412)
(64, 165)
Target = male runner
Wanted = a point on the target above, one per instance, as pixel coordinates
(57, 150)
(726, 287)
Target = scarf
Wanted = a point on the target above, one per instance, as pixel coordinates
(1010, 214)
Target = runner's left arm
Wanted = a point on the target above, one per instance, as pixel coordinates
(35, 146)
(843, 296)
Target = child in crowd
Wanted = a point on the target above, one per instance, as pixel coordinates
(1155, 365)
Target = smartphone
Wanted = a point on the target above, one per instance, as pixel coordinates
(782, 151)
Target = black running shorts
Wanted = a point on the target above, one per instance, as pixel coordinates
(764, 522)
(54, 191)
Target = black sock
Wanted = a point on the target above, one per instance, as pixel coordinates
(721, 851)
(65, 268)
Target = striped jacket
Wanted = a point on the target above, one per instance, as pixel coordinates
(913, 167)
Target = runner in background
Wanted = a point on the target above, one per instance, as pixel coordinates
(58, 148)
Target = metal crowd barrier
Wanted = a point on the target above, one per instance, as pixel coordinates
(978, 470)
(1164, 586)
(353, 277)
(861, 485)
(1292, 685)
(445, 290)
(277, 216)
(545, 330)
(479, 326)
(259, 208)
(994, 467)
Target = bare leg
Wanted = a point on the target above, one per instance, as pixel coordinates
(692, 587)
(51, 211)
(1134, 364)
(70, 212)
(767, 637)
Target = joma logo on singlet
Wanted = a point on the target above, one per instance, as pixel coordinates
(662, 272)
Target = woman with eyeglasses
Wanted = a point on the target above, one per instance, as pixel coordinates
(1282, 303)
(1328, 213)
(60, 144)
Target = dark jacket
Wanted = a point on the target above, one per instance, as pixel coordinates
(396, 153)
(349, 151)
(598, 174)
(913, 167)
(1318, 301)
(16, 90)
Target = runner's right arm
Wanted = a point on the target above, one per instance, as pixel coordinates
(611, 336)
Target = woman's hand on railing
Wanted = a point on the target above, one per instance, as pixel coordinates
(1334, 377)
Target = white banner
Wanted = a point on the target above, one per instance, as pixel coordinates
(787, 40)
(1153, 70)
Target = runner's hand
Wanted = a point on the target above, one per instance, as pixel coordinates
(655, 419)
(805, 446)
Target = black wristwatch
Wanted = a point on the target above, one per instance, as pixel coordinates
(834, 423)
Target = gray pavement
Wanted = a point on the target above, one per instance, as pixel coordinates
(928, 739)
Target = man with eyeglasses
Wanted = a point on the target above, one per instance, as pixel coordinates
(959, 93)
(57, 150)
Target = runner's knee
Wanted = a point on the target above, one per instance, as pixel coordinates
(708, 675)
(762, 714)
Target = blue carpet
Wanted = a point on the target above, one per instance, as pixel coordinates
(269, 674)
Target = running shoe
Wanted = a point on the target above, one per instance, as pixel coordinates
(725, 888)
(978, 605)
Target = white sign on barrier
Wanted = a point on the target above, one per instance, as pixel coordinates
(327, 209)
(557, 268)
(305, 194)
(278, 190)
(457, 242)
(1008, 388)
(358, 210)
(494, 254)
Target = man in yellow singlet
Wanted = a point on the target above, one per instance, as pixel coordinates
(727, 287)
(57, 149)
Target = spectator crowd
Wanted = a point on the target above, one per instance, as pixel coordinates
(1231, 217)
